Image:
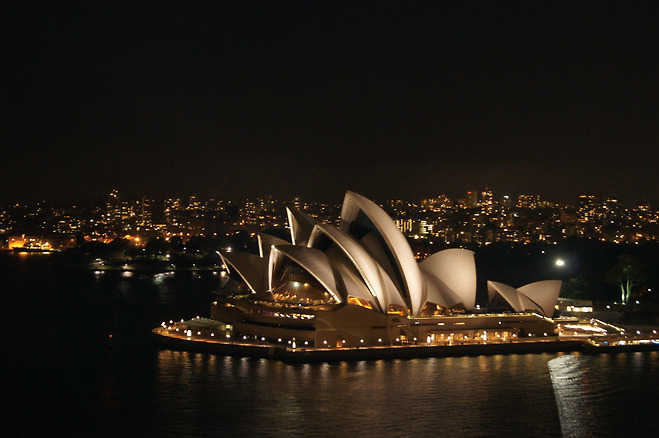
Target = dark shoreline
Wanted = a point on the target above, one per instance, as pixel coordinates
(314, 355)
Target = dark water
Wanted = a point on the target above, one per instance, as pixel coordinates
(68, 377)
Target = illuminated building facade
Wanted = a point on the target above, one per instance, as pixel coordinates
(487, 202)
(114, 208)
(540, 296)
(359, 284)
(528, 201)
(471, 199)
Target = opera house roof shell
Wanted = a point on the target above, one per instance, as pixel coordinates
(540, 296)
(366, 261)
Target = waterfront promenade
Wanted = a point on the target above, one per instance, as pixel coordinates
(204, 339)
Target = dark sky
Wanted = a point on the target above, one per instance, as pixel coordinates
(390, 99)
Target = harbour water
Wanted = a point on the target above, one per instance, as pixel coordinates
(82, 363)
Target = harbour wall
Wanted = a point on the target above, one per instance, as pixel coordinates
(313, 355)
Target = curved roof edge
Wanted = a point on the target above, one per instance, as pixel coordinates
(301, 225)
(315, 263)
(519, 301)
(251, 268)
(508, 293)
(377, 281)
(266, 242)
(396, 242)
(456, 270)
(353, 283)
(545, 293)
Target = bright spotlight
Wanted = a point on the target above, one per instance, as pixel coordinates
(560, 262)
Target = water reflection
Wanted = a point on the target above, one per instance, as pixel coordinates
(605, 395)
(575, 412)
(457, 396)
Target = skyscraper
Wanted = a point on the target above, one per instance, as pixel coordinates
(487, 201)
(471, 199)
(113, 212)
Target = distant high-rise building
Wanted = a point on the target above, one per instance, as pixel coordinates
(528, 201)
(506, 202)
(145, 211)
(611, 207)
(425, 227)
(471, 199)
(587, 207)
(113, 212)
(404, 225)
(172, 210)
(487, 201)
(505, 216)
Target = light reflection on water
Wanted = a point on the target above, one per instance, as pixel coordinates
(605, 395)
(538, 394)
(468, 396)
(575, 410)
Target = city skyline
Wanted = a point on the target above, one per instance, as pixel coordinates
(480, 218)
(471, 197)
(232, 100)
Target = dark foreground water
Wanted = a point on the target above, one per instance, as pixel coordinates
(67, 376)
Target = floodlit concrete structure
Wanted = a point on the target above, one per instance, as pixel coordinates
(367, 259)
(365, 220)
(451, 275)
(540, 296)
(359, 285)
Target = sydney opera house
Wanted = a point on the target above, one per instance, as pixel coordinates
(359, 284)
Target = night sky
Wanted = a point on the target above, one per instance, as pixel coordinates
(389, 99)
